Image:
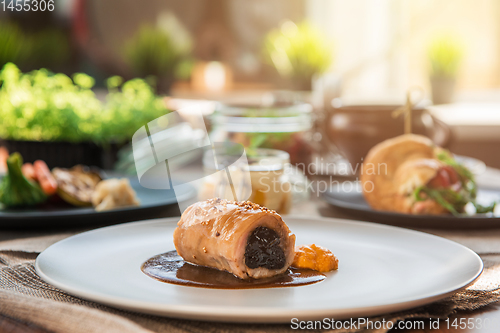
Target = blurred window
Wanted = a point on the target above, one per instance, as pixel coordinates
(381, 46)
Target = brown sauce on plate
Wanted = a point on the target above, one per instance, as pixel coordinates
(170, 267)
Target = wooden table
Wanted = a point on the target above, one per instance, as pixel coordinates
(313, 207)
(489, 315)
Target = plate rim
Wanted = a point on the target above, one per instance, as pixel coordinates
(262, 314)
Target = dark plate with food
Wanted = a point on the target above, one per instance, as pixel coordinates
(409, 181)
(350, 200)
(32, 196)
(241, 262)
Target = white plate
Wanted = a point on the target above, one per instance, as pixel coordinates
(382, 269)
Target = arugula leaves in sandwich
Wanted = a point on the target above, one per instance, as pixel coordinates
(455, 197)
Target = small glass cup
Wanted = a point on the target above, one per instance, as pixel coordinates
(273, 183)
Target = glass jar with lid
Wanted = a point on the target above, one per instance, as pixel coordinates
(279, 125)
(272, 181)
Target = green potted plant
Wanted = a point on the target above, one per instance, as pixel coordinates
(445, 56)
(53, 117)
(162, 52)
(298, 52)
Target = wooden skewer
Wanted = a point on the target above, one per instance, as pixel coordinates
(407, 108)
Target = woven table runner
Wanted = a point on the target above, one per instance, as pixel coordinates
(25, 298)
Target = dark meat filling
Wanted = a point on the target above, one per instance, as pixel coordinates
(263, 249)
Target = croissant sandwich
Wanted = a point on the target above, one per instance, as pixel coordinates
(241, 238)
(409, 174)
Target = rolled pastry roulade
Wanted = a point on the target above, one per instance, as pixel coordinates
(241, 238)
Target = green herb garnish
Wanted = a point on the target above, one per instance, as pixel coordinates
(454, 201)
(465, 175)
(15, 189)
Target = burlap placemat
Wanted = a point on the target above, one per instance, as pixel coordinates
(25, 298)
